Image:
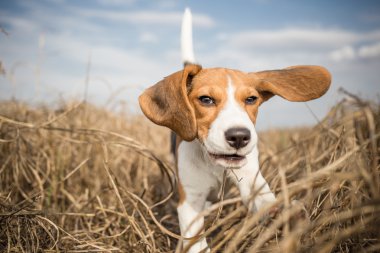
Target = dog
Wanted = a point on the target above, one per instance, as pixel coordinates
(213, 112)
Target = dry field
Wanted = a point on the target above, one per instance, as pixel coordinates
(82, 179)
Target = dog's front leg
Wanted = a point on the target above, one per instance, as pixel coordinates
(194, 186)
(250, 181)
(264, 194)
(191, 224)
(254, 183)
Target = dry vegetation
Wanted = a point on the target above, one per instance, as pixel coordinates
(81, 179)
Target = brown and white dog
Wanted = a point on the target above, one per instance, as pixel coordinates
(213, 112)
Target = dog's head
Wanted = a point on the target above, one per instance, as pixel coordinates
(219, 106)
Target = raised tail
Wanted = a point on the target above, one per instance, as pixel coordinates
(187, 39)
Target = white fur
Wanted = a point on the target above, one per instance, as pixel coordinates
(199, 174)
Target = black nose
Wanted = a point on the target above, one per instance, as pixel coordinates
(238, 137)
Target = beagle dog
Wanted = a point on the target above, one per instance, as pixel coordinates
(213, 112)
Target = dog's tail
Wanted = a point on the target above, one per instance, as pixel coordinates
(187, 38)
(187, 57)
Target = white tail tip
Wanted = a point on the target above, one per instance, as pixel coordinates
(187, 38)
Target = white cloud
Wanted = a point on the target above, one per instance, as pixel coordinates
(296, 38)
(369, 51)
(116, 2)
(290, 46)
(268, 49)
(18, 24)
(350, 53)
(149, 17)
(148, 37)
(167, 3)
(344, 53)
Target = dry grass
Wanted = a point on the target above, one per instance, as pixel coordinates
(81, 179)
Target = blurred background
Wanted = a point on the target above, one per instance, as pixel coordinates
(109, 51)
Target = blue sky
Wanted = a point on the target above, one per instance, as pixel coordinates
(132, 44)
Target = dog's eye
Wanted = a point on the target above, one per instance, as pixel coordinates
(250, 100)
(206, 100)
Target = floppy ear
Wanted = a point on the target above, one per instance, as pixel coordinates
(167, 104)
(297, 83)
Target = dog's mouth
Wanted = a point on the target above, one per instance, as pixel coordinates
(229, 159)
(232, 161)
(232, 157)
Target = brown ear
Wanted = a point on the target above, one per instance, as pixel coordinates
(297, 83)
(167, 104)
